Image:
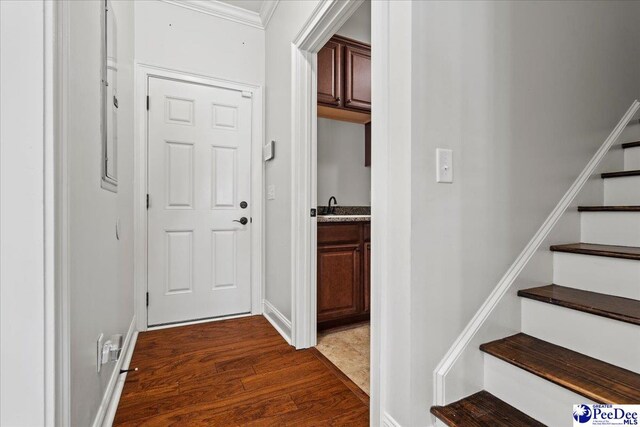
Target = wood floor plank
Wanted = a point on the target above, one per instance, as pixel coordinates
(620, 174)
(608, 208)
(584, 375)
(235, 372)
(483, 409)
(611, 251)
(631, 144)
(610, 306)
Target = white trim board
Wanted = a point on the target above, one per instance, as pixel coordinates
(389, 421)
(509, 278)
(277, 320)
(109, 404)
(143, 73)
(28, 283)
(230, 12)
(325, 20)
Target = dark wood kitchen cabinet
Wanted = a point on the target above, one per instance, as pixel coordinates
(344, 80)
(343, 273)
(357, 82)
(330, 74)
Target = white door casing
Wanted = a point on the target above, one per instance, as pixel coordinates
(199, 172)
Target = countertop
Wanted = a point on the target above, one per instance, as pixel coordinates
(344, 218)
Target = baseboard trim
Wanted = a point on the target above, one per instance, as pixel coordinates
(109, 405)
(277, 320)
(389, 421)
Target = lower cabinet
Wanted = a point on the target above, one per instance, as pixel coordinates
(343, 274)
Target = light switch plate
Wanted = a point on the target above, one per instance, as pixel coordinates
(268, 151)
(99, 345)
(271, 192)
(444, 165)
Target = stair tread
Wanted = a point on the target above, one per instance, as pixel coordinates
(482, 409)
(620, 174)
(631, 144)
(613, 307)
(592, 378)
(608, 208)
(626, 252)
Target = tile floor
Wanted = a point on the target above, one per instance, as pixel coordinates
(348, 348)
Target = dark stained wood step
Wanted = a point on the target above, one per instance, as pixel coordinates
(631, 144)
(483, 409)
(626, 252)
(620, 174)
(617, 308)
(592, 378)
(608, 208)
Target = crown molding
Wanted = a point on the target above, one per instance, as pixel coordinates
(230, 12)
(266, 11)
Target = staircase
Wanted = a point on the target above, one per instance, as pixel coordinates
(559, 359)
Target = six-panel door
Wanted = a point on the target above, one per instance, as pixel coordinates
(199, 173)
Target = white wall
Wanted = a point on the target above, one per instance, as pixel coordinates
(181, 39)
(341, 169)
(358, 26)
(100, 267)
(26, 243)
(524, 93)
(283, 27)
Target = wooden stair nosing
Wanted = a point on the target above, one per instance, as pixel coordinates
(483, 409)
(592, 378)
(631, 144)
(613, 307)
(608, 208)
(610, 251)
(620, 174)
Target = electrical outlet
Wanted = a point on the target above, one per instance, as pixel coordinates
(99, 347)
(271, 192)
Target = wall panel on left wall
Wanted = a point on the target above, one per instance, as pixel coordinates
(100, 264)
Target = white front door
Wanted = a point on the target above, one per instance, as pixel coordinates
(199, 187)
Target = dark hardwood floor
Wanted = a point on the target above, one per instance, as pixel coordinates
(231, 373)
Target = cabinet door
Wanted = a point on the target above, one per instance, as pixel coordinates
(330, 74)
(357, 78)
(339, 282)
(367, 277)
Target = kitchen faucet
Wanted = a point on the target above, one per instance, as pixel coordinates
(331, 209)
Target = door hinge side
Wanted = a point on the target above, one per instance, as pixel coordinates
(147, 102)
(148, 202)
(147, 299)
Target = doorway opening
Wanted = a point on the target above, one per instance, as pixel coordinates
(343, 188)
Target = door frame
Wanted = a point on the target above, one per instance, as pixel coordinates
(325, 20)
(141, 119)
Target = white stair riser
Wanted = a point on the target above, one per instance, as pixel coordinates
(632, 159)
(622, 191)
(606, 339)
(613, 276)
(546, 402)
(611, 228)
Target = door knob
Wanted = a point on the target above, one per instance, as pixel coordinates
(242, 220)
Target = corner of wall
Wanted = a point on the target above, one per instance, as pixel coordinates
(277, 320)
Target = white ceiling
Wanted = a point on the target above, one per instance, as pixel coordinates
(251, 5)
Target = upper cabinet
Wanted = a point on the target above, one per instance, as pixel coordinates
(330, 74)
(357, 82)
(344, 80)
